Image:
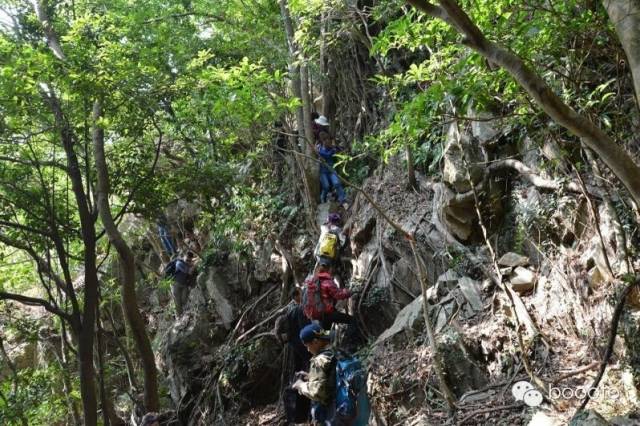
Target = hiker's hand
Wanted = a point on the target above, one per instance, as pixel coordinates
(301, 375)
(297, 385)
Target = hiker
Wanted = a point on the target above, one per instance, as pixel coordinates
(181, 271)
(288, 327)
(287, 330)
(150, 419)
(319, 385)
(335, 383)
(319, 123)
(320, 295)
(328, 176)
(331, 242)
(165, 236)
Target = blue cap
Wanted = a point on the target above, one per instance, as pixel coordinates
(313, 331)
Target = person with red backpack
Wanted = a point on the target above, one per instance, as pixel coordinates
(319, 297)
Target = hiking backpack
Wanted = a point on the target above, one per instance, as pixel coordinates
(328, 245)
(170, 270)
(312, 303)
(352, 402)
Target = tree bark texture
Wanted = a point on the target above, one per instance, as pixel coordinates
(296, 89)
(625, 17)
(127, 261)
(84, 324)
(591, 135)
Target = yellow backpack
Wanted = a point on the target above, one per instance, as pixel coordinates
(328, 246)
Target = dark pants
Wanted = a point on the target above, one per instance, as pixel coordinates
(297, 406)
(322, 414)
(180, 291)
(326, 415)
(352, 334)
(336, 317)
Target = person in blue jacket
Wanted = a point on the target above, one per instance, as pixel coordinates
(326, 150)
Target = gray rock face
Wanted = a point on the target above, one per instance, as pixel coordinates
(484, 130)
(522, 279)
(472, 292)
(513, 259)
(588, 418)
(408, 319)
(462, 160)
(462, 371)
(187, 346)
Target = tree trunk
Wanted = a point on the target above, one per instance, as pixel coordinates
(625, 16)
(411, 173)
(127, 261)
(296, 89)
(83, 324)
(67, 386)
(591, 135)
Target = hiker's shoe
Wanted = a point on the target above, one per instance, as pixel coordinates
(345, 205)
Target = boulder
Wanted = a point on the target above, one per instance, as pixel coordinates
(406, 320)
(472, 292)
(484, 130)
(542, 419)
(522, 279)
(588, 418)
(250, 371)
(596, 278)
(513, 260)
(448, 279)
(463, 373)
(463, 159)
(628, 420)
(217, 295)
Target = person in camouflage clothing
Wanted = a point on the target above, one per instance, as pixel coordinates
(319, 385)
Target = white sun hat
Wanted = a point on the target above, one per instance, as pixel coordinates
(322, 120)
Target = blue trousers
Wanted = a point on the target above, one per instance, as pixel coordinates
(327, 179)
(166, 240)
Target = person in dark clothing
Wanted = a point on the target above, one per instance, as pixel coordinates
(287, 329)
(330, 294)
(319, 385)
(327, 150)
(181, 272)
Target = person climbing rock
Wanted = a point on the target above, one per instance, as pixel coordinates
(319, 384)
(326, 150)
(165, 236)
(319, 298)
(287, 329)
(181, 271)
(332, 240)
(150, 419)
(319, 123)
(335, 383)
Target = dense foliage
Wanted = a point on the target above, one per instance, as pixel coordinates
(192, 93)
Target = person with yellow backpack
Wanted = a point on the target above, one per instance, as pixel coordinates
(330, 244)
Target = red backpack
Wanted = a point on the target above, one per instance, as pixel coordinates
(312, 303)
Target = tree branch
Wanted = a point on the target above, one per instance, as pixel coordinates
(34, 301)
(40, 8)
(616, 158)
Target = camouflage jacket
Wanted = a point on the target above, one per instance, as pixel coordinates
(321, 383)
